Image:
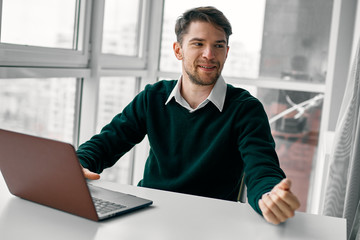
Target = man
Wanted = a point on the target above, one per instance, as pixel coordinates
(203, 133)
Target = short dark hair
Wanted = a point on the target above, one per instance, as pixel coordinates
(206, 14)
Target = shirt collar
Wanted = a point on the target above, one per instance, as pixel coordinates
(218, 93)
(216, 96)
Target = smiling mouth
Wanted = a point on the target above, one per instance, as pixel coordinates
(206, 67)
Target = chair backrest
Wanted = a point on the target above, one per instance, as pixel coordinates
(242, 190)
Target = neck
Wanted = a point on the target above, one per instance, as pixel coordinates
(194, 94)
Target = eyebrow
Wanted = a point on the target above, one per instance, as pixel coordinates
(202, 40)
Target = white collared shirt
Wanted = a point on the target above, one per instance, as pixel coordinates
(216, 96)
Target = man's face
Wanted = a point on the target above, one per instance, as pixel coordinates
(203, 53)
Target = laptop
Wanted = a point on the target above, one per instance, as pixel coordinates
(48, 172)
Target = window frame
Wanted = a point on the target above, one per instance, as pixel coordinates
(114, 61)
(23, 55)
(342, 46)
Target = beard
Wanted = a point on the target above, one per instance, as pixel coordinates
(196, 79)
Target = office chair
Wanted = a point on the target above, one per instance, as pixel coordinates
(242, 190)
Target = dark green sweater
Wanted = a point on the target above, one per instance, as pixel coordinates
(202, 153)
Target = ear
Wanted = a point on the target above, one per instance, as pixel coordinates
(178, 50)
(227, 51)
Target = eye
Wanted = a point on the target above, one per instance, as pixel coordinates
(219, 45)
(198, 44)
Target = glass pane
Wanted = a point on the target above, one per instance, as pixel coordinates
(295, 123)
(115, 94)
(296, 40)
(281, 39)
(121, 27)
(45, 23)
(42, 107)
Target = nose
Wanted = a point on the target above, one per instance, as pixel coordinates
(208, 52)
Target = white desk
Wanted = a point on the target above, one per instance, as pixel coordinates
(172, 216)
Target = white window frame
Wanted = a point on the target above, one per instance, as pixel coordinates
(26, 56)
(343, 33)
(143, 66)
(113, 61)
(111, 65)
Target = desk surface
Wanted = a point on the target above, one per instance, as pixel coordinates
(172, 216)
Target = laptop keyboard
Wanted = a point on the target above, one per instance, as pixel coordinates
(103, 207)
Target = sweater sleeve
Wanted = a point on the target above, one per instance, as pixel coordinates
(124, 131)
(257, 148)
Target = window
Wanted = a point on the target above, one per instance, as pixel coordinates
(296, 40)
(39, 106)
(114, 94)
(44, 23)
(122, 27)
(42, 59)
(48, 74)
(122, 50)
(51, 67)
(41, 33)
(274, 45)
(294, 118)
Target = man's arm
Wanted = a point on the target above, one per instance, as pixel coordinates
(279, 204)
(124, 131)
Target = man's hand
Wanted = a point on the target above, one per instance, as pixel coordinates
(90, 175)
(279, 204)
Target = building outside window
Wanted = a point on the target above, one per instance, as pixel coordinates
(38, 106)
